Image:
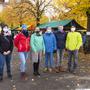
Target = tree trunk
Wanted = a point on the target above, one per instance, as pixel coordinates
(88, 22)
(87, 49)
(37, 21)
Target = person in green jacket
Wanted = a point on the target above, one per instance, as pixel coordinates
(37, 46)
(73, 44)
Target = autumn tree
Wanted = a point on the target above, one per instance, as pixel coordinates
(36, 8)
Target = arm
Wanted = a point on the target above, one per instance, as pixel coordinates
(11, 44)
(16, 40)
(79, 38)
(54, 41)
(43, 45)
(67, 41)
(32, 43)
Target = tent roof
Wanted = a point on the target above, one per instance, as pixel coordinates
(65, 23)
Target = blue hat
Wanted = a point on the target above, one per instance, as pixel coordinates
(24, 26)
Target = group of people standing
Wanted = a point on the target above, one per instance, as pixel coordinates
(40, 45)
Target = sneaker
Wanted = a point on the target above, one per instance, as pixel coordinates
(50, 69)
(61, 69)
(57, 70)
(45, 69)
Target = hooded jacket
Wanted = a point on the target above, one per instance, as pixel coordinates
(6, 43)
(61, 39)
(50, 42)
(73, 41)
(22, 42)
(37, 43)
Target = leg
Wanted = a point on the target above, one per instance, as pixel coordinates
(75, 59)
(46, 59)
(61, 59)
(58, 58)
(70, 60)
(22, 61)
(51, 60)
(8, 64)
(2, 59)
(23, 65)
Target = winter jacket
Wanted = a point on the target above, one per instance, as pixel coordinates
(6, 43)
(50, 42)
(22, 42)
(73, 41)
(37, 43)
(60, 39)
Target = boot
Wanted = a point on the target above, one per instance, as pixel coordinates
(61, 69)
(57, 69)
(35, 69)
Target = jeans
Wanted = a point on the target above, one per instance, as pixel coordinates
(4, 59)
(60, 55)
(73, 59)
(49, 58)
(23, 58)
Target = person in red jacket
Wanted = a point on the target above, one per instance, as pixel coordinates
(22, 43)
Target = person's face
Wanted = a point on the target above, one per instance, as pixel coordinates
(49, 30)
(60, 27)
(73, 29)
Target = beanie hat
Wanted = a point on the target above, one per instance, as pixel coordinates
(24, 26)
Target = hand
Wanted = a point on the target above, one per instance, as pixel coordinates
(8, 52)
(5, 53)
(55, 51)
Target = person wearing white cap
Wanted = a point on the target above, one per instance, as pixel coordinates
(6, 48)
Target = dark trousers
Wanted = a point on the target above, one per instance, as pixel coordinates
(73, 60)
(36, 66)
(4, 59)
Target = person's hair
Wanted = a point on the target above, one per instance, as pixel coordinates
(73, 27)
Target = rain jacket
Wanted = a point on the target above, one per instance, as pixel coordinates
(61, 39)
(37, 43)
(73, 41)
(50, 42)
(22, 42)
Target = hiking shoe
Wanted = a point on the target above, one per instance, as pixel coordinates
(45, 69)
(50, 70)
(57, 69)
(61, 69)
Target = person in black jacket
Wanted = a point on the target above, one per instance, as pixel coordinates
(6, 47)
(61, 40)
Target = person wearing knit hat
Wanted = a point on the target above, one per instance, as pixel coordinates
(22, 43)
(24, 27)
(6, 48)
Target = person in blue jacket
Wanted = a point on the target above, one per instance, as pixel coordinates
(61, 40)
(50, 46)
